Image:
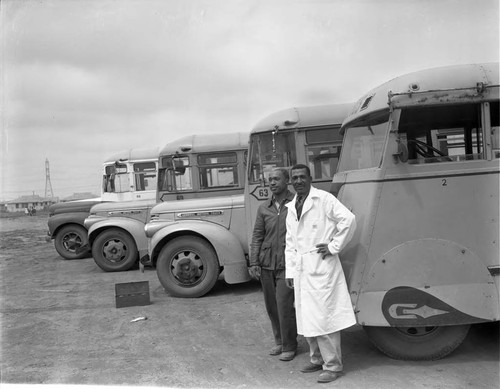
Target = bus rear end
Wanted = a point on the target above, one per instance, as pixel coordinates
(420, 170)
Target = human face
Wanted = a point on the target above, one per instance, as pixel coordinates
(277, 182)
(301, 181)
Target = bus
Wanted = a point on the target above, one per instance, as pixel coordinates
(193, 243)
(420, 170)
(204, 166)
(127, 175)
(130, 175)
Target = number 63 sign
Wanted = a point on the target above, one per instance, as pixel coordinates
(260, 193)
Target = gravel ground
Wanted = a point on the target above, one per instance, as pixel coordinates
(60, 325)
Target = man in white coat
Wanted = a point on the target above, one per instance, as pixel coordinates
(318, 228)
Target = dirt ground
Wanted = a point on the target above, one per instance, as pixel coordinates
(60, 325)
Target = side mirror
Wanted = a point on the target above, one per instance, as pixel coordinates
(179, 167)
(402, 154)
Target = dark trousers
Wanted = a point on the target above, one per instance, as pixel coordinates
(279, 301)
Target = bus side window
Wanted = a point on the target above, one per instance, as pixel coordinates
(218, 170)
(442, 134)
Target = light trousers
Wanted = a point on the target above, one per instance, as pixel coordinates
(325, 350)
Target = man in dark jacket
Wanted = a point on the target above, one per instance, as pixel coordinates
(267, 263)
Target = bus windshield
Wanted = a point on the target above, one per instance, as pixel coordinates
(116, 179)
(145, 176)
(175, 174)
(269, 150)
(364, 143)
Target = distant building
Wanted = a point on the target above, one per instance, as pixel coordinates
(79, 196)
(23, 203)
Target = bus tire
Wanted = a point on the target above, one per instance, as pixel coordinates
(417, 343)
(187, 266)
(69, 240)
(114, 250)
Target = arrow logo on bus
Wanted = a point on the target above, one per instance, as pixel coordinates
(409, 311)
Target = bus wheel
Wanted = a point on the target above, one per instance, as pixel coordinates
(114, 250)
(187, 267)
(417, 343)
(69, 239)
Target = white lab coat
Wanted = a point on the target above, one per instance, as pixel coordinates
(322, 300)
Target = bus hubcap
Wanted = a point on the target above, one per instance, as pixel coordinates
(187, 267)
(114, 250)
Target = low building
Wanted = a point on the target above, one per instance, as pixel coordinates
(27, 203)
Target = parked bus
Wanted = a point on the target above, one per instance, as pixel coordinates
(208, 166)
(420, 170)
(128, 175)
(191, 244)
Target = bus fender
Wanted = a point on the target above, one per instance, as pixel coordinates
(228, 248)
(427, 282)
(133, 227)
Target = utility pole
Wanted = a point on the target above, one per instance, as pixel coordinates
(48, 184)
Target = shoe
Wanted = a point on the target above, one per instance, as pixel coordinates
(311, 368)
(328, 376)
(287, 355)
(276, 350)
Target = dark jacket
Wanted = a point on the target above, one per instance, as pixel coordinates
(267, 249)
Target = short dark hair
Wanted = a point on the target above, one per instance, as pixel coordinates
(301, 166)
(284, 172)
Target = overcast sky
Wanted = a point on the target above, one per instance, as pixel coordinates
(85, 79)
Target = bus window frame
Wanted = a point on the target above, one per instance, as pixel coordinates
(391, 128)
(309, 144)
(262, 179)
(110, 178)
(140, 176)
(233, 165)
(172, 171)
(469, 135)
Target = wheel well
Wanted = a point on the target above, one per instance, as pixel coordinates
(174, 235)
(66, 225)
(98, 231)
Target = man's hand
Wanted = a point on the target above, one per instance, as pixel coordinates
(289, 282)
(254, 272)
(323, 249)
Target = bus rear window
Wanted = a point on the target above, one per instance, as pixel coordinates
(442, 134)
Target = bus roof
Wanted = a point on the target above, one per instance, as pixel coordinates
(303, 117)
(134, 155)
(200, 143)
(458, 83)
